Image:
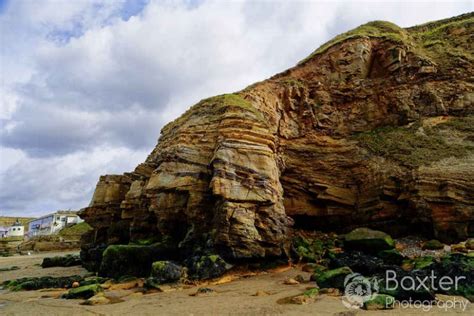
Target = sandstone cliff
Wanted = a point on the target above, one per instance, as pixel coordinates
(375, 128)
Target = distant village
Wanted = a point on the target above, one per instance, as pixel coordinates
(46, 225)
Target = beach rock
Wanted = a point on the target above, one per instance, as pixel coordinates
(470, 244)
(98, 299)
(391, 256)
(166, 272)
(313, 268)
(423, 262)
(132, 260)
(373, 128)
(83, 292)
(45, 282)
(359, 262)
(433, 245)
(379, 302)
(208, 267)
(456, 266)
(291, 281)
(368, 240)
(410, 290)
(61, 261)
(333, 278)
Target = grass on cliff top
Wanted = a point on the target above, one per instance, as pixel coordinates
(432, 34)
(412, 146)
(75, 231)
(376, 29)
(217, 104)
(442, 42)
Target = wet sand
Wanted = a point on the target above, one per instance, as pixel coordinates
(236, 297)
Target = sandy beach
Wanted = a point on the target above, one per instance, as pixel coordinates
(260, 293)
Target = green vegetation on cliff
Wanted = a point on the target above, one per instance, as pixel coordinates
(415, 145)
(75, 231)
(377, 29)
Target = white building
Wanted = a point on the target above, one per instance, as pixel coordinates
(52, 223)
(16, 230)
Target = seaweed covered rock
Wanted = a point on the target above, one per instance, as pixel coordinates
(165, 272)
(312, 248)
(207, 267)
(61, 261)
(457, 266)
(132, 260)
(333, 278)
(433, 244)
(470, 244)
(390, 283)
(391, 256)
(379, 301)
(368, 240)
(359, 262)
(36, 283)
(83, 292)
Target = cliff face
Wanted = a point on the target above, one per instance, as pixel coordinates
(374, 128)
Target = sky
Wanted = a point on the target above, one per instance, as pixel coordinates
(85, 86)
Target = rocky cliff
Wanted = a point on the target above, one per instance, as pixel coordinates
(374, 128)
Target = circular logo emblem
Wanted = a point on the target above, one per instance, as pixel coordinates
(358, 290)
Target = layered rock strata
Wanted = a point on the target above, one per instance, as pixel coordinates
(374, 128)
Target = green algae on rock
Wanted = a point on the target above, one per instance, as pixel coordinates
(333, 278)
(132, 260)
(84, 292)
(379, 301)
(368, 240)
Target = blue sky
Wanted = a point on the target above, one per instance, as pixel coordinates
(87, 85)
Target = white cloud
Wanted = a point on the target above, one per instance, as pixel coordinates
(79, 76)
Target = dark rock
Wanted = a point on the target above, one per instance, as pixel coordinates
(433, 245)
(391, 256)
(368, 240)
(470, 244)
(132, 260)
(61, 261)
(166, 272)
(207, 267)
(456, 265)
(45, 282)
(358, 262)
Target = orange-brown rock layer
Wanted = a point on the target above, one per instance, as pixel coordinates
(374, 128)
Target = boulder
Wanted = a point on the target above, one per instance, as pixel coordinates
(84, 292)
(358, 261)
(368, 240)
(423, 262)
(433, 245)
(379, 301)
(333, 278)
(61, 261)
(131, 260)
(166, 272)
(36, 283)
(470, 244)
(207, 267)
(391, 256)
